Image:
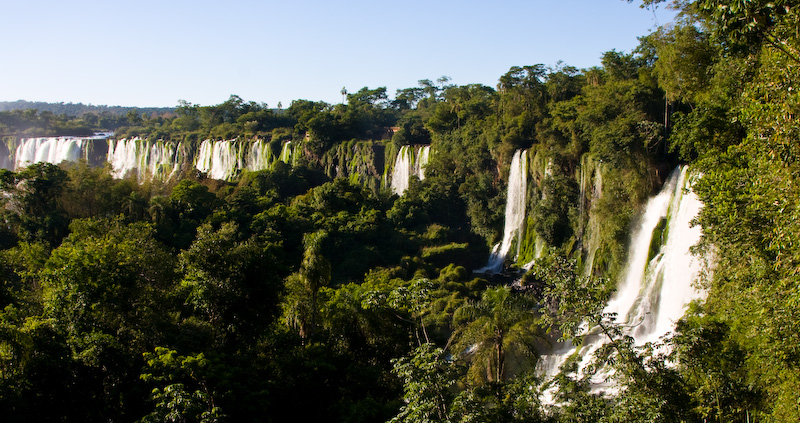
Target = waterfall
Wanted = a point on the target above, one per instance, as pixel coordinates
(515, 213)
(407, 164)
(422, 160)
(260, 156)
(127, 156)
(162, 160)
(50, 150)
(16, 155)
(205, 156)
(653, 291)
(668, 282)
(147, 159)
(219, 159)
(6, 158)
(287, 153)
(402, 170)
(629, 289)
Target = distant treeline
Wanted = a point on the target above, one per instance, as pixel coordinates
(29, 119)
(78, 109)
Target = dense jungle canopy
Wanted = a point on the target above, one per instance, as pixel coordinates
(287, 293)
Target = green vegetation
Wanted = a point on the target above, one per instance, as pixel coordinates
(307, 291)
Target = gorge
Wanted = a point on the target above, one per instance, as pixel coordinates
(612, 244)
(653, 290)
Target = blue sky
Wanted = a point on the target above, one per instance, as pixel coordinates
(156, 52)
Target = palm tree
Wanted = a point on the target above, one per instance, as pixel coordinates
(300, 305)
(501, 325)
(159, 206)
(134, 206)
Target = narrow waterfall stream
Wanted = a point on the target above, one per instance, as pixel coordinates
(515, 213)
(402, 170)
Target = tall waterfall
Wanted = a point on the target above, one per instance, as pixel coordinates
(667, 285)
(220, 159)
(515, 213)
(51, 150)
(408, 164)
(260, 156)
(147, 159)
(653, 291)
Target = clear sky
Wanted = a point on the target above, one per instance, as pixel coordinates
(156, 52)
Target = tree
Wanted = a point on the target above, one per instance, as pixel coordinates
(192, 203)
(713, 365)
(501, 325)
(231, 282)
(31, 198)
(300, 306)
(685, 55)
(648, 390)
(105, 290)
(427, 378)
(183, 393)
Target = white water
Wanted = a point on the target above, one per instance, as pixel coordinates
(401, 171)
(652, 295)
(260, 156)
(219, 159)
(147, 159)
(287, 153)
(50, 150)
(515, 213)
(628, 291)
(670, 274)
(422, 160)
(408, 163)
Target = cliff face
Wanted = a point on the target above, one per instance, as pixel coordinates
(560, 206)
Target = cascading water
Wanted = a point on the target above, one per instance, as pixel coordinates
(51, 150)
(628, 291)
(422, 160)
(653, 292)
(162, 160)
(402, 170)
(406, 165)
(147, 159)
(6, 158)
(260, 156)
(219, 159)
(515, 212)
(287, 153)
(669, 279)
